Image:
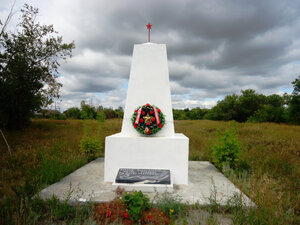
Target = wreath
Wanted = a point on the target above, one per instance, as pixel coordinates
(148, 119)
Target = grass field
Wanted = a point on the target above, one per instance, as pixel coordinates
(49, 149)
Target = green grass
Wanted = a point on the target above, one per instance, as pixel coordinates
(49, 149)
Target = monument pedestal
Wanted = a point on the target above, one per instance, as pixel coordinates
(170, 152)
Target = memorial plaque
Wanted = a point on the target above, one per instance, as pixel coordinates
(143, 176)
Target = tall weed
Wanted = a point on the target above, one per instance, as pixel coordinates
(170, 204)
(90, 144)
(227, 149)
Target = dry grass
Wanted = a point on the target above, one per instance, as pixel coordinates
(45, 135)
(273, 153)
(271, 150)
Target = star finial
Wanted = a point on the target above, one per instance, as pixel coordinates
(149, 27)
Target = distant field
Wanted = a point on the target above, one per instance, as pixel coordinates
(271, 150)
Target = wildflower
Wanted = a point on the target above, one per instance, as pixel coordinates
(108, 213)
(171, 211)
(149, 217)
(126, 215)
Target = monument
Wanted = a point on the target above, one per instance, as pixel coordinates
(147, 142)
(147, 154)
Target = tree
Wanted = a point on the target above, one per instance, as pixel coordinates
(88, 112)
(249, 102)
(294, 103)
(109, 113)
(29, 61)
(226, 109)
(73, 113)
(119, 112)
(296, 84)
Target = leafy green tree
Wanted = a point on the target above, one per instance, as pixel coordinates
(248, 103)
(275, 100)
(109, 113)
(197, 113)
(87, 111)
(29, 61)
(119, 112)
(294, 103)
(225, 109)
(178, 114)
(73, 113)
(272, 111)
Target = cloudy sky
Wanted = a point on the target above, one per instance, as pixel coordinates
(214, 47)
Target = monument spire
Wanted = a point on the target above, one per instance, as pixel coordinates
(149, 27)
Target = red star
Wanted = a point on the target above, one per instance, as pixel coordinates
(149, 26)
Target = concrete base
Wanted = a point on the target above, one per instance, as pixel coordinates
(170, 152)
(87, 184)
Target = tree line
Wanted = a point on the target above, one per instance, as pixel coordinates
(247, 107)
(250, 106)
(85, 112)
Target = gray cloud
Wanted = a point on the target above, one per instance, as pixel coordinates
(214, 47)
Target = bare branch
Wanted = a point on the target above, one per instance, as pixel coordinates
(6, 143)
(10, 15)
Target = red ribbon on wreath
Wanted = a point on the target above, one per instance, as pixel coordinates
(156, 115)
(138, 116)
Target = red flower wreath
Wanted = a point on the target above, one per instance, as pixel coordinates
(148, 119)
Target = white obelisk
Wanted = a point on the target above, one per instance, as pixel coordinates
(148, 83)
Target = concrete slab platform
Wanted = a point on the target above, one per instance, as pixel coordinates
(87, 184)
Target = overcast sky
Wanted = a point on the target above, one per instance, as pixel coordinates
(214, 47)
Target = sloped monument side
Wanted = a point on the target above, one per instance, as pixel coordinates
(148, 83)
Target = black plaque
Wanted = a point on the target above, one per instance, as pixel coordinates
(143, 176)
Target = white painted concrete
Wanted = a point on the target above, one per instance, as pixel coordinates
(149, 83)
(122, 151)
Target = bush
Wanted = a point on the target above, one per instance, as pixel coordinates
(91, 147)
(227, 149)
(136, 203)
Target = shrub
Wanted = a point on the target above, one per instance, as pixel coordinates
(227, 149)
(136, 203)
(91, 147)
